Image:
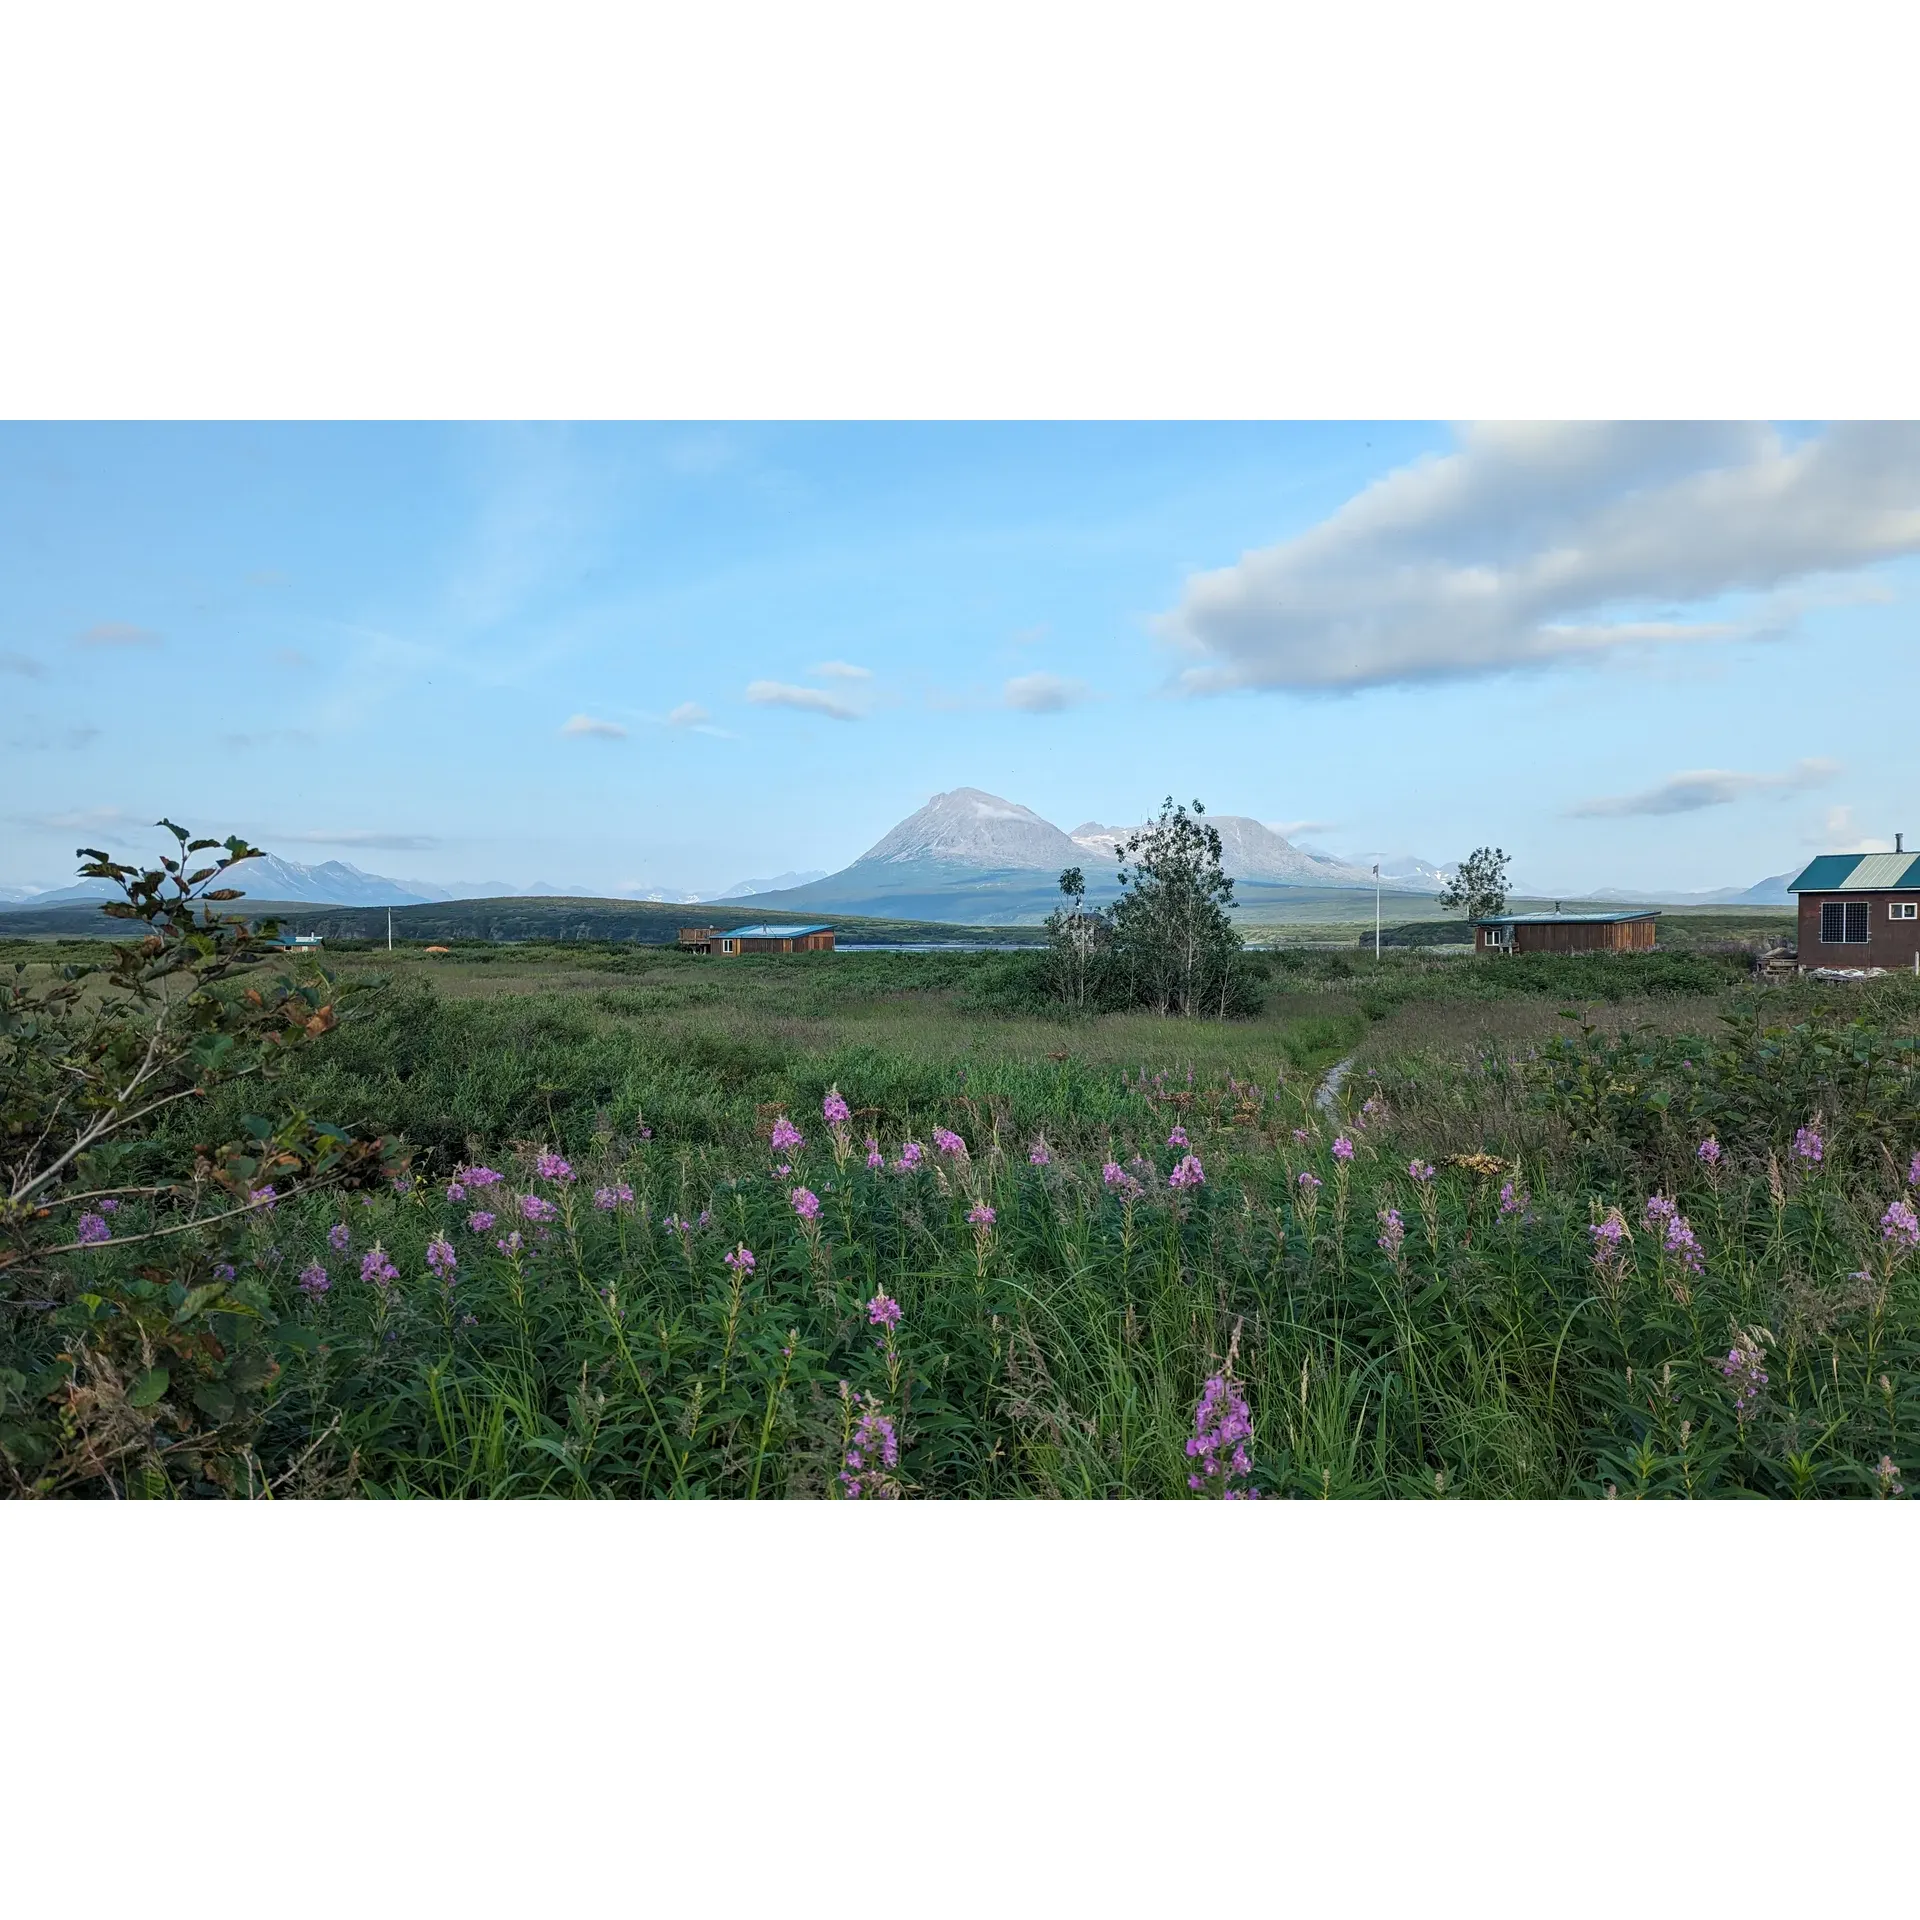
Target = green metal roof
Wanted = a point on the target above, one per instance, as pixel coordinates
(776, 933)
(1566, 919)
(1859, 873)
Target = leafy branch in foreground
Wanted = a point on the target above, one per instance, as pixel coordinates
(93, 1059)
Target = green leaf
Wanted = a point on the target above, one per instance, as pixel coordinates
(196, 1299)
(149, 1387)
(214, 1400)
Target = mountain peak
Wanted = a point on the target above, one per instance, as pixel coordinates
(968, 827)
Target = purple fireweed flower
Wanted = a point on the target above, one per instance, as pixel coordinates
(740, 1260)
(786, 1135)
(871, 1451)
(550, 1166)
(479, 1177)
(1373, 1107)
(1114, 1174)
(223, 1271)
(1039, 1155)
(946, 1140)
(1683, 1246)
(911, 1155)
(1511, 1200)
(674, 1224)
(1393, 1232)
(1742, 1371)
(511, 1245)
(1608, 1237)
(835, 1110)
(264, 1198)
(980, 1216)
(1659, 1211)
(537, 1208)
(1222, 1425)
(1178, 1138)
(782, 1170)
(875, 1158)
(1808, 1146)
(92, 1230)
(402, 1183)
(1309, 1183)
(611, 1199)
(1342, 1148)
(377, 1269)
(1900, 1227)
(1302, 1135)
(479, 1221)
(108, 1206)
(1189, 1173)
(455, 1193)
(1889, 1479)
(883, 1310)
(1708, 1152)
(314, 1280)
(805, 1203)
(441, 1256)
(1420, 1169)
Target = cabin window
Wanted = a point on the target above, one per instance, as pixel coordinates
(1904, 910)
(1844, 922)
(1498, 936)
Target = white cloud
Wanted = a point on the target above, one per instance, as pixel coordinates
(1842, 836)
(1689, 792)
(1540, 543)
(1286, 829)
(840, 670)
(689, 713)
(774, 693)
(116, 633)
(583, 726)
(363, 837)
(1045, 693)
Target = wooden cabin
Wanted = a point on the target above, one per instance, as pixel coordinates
(1628, 931)
(1860, 909)
(758, 939)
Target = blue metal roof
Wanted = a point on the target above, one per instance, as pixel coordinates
(775, 933)
(1566, 919)
(1859, 873)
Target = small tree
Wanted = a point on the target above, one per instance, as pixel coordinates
(1076, 934)
(1479, 885)
(1170, 924)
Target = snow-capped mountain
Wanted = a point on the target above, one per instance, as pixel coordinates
(771, 884)
(1249, 850)
(968, 828)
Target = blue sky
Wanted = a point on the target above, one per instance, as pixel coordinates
(626, 657)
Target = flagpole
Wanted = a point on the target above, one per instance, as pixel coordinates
(1376, 910)
(389, 929)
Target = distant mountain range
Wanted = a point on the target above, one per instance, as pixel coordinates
(967, 856)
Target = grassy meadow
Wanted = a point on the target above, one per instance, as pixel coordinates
(1461, 1277)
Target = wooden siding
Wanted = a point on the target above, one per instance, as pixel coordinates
(1574, 936)
(1889, 943)
(807, 943)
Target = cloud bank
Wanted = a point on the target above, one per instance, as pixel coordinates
(584, 727)
(1689, 792)
(1540, 543)
(775, 693)
(1045, 693)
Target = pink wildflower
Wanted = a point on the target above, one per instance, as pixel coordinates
(479, 1221)
(882, 1310)
(835, 1110)
(1178, 1138)
(980, 1216)
(537, 1208)
(1189, 1173)
(786, 1136)
(550, 1166)
(1342, 1147)
(805, 1203)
